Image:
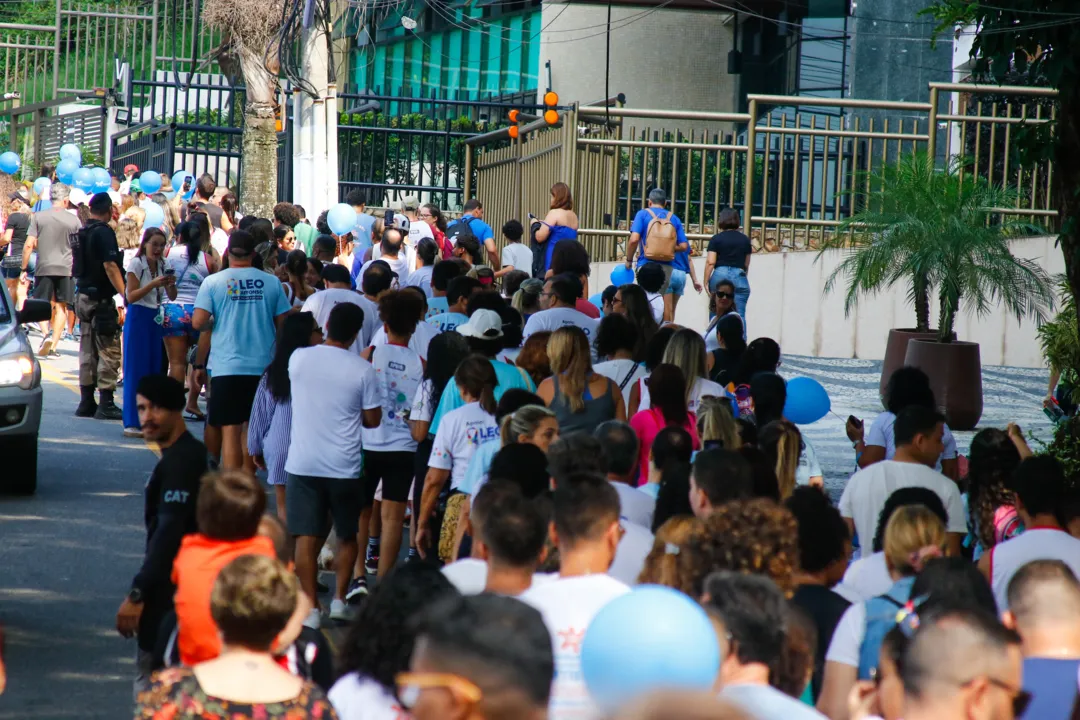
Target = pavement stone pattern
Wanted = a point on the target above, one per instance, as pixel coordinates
(1010, 394)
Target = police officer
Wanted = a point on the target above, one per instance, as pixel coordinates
(98, 266)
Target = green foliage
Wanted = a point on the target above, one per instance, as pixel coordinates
(937, 231)
(1065, 447)
(1059, 339)
(204, 139)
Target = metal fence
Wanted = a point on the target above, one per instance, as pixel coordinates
(37, 134)
(793, 166)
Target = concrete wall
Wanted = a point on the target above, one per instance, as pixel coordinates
(659, 58)
(787, 304)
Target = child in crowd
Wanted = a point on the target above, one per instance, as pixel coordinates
(650, 277)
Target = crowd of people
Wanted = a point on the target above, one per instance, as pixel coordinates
(486, 460)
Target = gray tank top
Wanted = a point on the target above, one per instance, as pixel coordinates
(597, 410)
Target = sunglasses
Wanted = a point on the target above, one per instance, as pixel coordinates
(728, 296)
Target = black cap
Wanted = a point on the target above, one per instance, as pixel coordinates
(19, 196)
(162, 391)
(241, 243)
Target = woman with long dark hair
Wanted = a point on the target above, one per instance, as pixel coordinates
(992, 459)
(732, 345)
(435, 220)
(150, 282)
(668, 387)
(669, 473)
(271, 414)
(631, 301)
(723, 306)
(380, 642)
(296, 287)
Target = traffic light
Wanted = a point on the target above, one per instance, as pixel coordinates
(551, 112)
(513, 129)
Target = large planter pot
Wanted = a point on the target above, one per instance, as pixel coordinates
(896, 351)
(955, 372)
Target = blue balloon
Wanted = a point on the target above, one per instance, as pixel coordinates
(178, 183)
(672, 646)
(807, 401)
(150, 182)
(102, 180)
(10, 163)
(622, 276)
(155, 216)
(341, 219)
(65, 171)
(71, 151)
(84, 179)
(598, 301)
(41, 185)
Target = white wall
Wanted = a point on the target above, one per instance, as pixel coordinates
(787, 304)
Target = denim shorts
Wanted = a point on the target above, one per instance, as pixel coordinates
(677, 284)
(176, 320)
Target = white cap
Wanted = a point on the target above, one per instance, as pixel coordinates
(78, 197)
(483, 325)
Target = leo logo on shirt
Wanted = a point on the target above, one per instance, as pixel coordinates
(244, 290)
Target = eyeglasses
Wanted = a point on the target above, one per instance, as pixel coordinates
(411, 684)
(1020, 698)
(423, 216)
(616, 299)
(725, 295)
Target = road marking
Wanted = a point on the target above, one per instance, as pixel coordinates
(62, 380)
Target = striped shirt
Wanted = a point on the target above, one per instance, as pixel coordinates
(269, 431)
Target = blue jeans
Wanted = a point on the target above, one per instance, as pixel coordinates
(737, 276)
(677, 285)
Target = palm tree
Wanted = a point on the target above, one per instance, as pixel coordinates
(938, 231)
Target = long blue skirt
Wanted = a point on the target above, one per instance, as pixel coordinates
(142, 355)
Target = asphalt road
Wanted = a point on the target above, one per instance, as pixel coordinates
(67, 556)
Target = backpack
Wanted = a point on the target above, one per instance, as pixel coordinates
(458, 227)
(79, 242)
(881, 617)
(661, 237)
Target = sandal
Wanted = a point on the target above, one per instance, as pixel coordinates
(194, 416)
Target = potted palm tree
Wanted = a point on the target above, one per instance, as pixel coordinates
(941, 234)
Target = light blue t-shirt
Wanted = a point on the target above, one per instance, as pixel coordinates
(362, 233)
(448, 321)
(479, 465)
(478, 227)
(437, 306)
(641, 227)
(509, 376)
(244, 302)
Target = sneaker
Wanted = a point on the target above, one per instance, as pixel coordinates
(132, 432)
(108, 411)
(45, 349)
(313, 619)
(339, 610)
(68, 336)
(357, 589)
(372, 562)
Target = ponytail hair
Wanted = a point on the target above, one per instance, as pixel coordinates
(476, 375)
(522, 421)
(781, 442)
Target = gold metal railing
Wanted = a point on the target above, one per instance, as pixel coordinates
(793, 166)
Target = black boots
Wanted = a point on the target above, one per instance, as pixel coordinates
(87, 405)
(107, 409)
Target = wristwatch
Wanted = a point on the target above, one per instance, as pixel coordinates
(135, 596)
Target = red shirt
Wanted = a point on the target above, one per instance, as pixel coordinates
(584, 306)
(647, 424)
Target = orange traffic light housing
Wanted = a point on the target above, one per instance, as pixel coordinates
(551, 117)
(513, 115)
(551, 99)
(551, 112)
(513, 131)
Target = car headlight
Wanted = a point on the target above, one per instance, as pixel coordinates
(18, 370)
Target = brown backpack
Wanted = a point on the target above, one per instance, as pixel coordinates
(661, 237)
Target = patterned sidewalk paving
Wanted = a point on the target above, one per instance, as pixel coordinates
(1010, 394)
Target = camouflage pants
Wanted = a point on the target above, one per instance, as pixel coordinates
(99, 344)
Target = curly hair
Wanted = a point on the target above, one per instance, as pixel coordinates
(992, 460)
(661, 565)
(747, 536)
(380, 640)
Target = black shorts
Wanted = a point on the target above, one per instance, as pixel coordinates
(231, 398)
(394, 468)
(308, 500)
(56, 288)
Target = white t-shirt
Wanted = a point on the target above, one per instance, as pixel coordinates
(848, 637)
(357, 697)
(331, 388)
(418, 230)
(419, 341)
(321, 303)
(189, 275)
(517, 255)
(469, 576)
(865, 578)
(882, 434)
(460, 432)
(568, 605)
(556, 318)
(1035, 543)
(656, 302)
(141, 270)
(637, 507)
(636, 543)
(702, 388)
(421, 278)
(868, 489)
(402, 264)
(219, 240)
(399, 371)
(622, 372)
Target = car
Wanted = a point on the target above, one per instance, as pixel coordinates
(20, 395)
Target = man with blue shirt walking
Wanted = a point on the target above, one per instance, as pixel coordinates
(472, 220)
(241, 309)
(651, 225)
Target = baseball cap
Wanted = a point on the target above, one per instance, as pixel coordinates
(131, 168)
(412, 202)
(19, 196)
(484, 325)
(241, 243)
(78, 197)
(134, 186)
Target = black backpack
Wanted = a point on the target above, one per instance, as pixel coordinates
(458, 227)
(79, 242)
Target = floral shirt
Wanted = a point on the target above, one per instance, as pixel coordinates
(175, 694)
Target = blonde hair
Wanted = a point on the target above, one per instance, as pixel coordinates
(661, 565)
(913, 535)
(129, 228)
(253, 598)
(781, 442)
(568, 351)
(715, 422)
(523, 421)
(686, 351)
